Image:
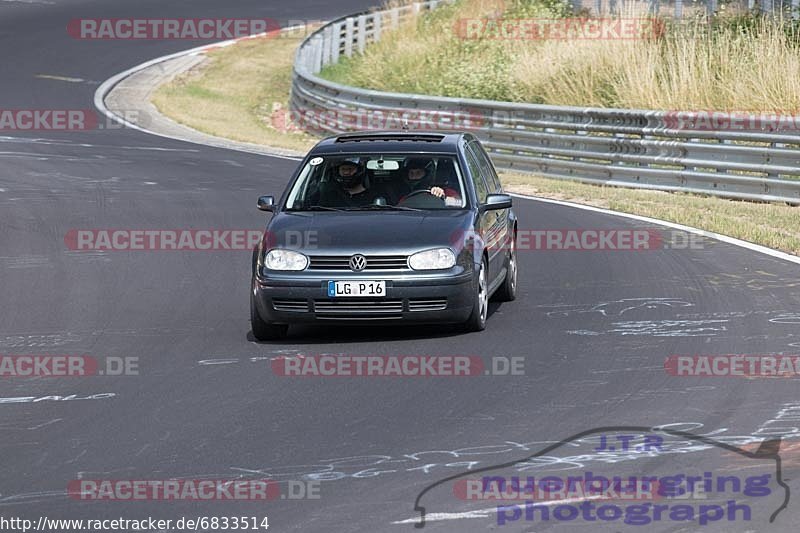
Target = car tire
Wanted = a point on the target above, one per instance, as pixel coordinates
(264, 331)
(507, 292)
(480, 307)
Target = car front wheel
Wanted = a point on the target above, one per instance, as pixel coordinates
(480, 308)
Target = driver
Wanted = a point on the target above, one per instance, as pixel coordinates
(350, 188)
(417, 176)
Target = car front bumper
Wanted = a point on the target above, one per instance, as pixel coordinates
(425, 298)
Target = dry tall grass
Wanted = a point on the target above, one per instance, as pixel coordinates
(738, 62)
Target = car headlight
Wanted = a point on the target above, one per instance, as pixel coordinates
(285, 260)
(436, 259)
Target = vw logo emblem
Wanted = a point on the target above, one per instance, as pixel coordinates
(358, 263)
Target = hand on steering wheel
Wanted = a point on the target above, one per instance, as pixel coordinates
(438, 192)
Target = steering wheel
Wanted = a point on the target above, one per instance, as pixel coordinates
(421, 191)
(425, 199)
(415, 193)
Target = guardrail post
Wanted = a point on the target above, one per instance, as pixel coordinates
(308, 58)
(327, 45)
(348, 37)
(377, 20)
(653, 7)
(336, 48)
(362, 33)
(317, 58)
(395, 18)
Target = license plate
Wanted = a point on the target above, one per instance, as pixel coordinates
(356, 288)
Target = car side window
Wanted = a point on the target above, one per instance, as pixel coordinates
(476, 175)
(489, 174)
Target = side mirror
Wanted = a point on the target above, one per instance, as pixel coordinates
(497, 201)
(266, 203)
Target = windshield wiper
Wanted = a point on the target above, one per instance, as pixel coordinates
(317, 208)
(389, 207)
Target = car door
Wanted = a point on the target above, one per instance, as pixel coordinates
(492, 227)
(503, 217)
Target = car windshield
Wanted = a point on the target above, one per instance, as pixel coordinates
(392, 182)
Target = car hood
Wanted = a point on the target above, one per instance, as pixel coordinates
(366, 232)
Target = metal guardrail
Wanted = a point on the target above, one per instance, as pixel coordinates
(619, 147)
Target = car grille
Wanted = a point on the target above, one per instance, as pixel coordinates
(360, 308)
(291, 305)
(374, 309)
(427, 304)
(374, 262)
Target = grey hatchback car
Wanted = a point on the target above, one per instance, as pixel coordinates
(386, 227)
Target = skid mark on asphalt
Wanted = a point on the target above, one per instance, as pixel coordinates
(615, 307)
(25, 261)
(89, 256)
(628, 369)
(13, 400)
(278, 355)
(683, 325)
(27, 340)
(660, 328)
(29, 426)
(752, 283)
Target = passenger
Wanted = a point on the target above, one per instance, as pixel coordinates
(350, 188)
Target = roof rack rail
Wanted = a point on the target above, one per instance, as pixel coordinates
(408, 137)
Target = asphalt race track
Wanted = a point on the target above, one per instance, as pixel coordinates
(594, 329)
